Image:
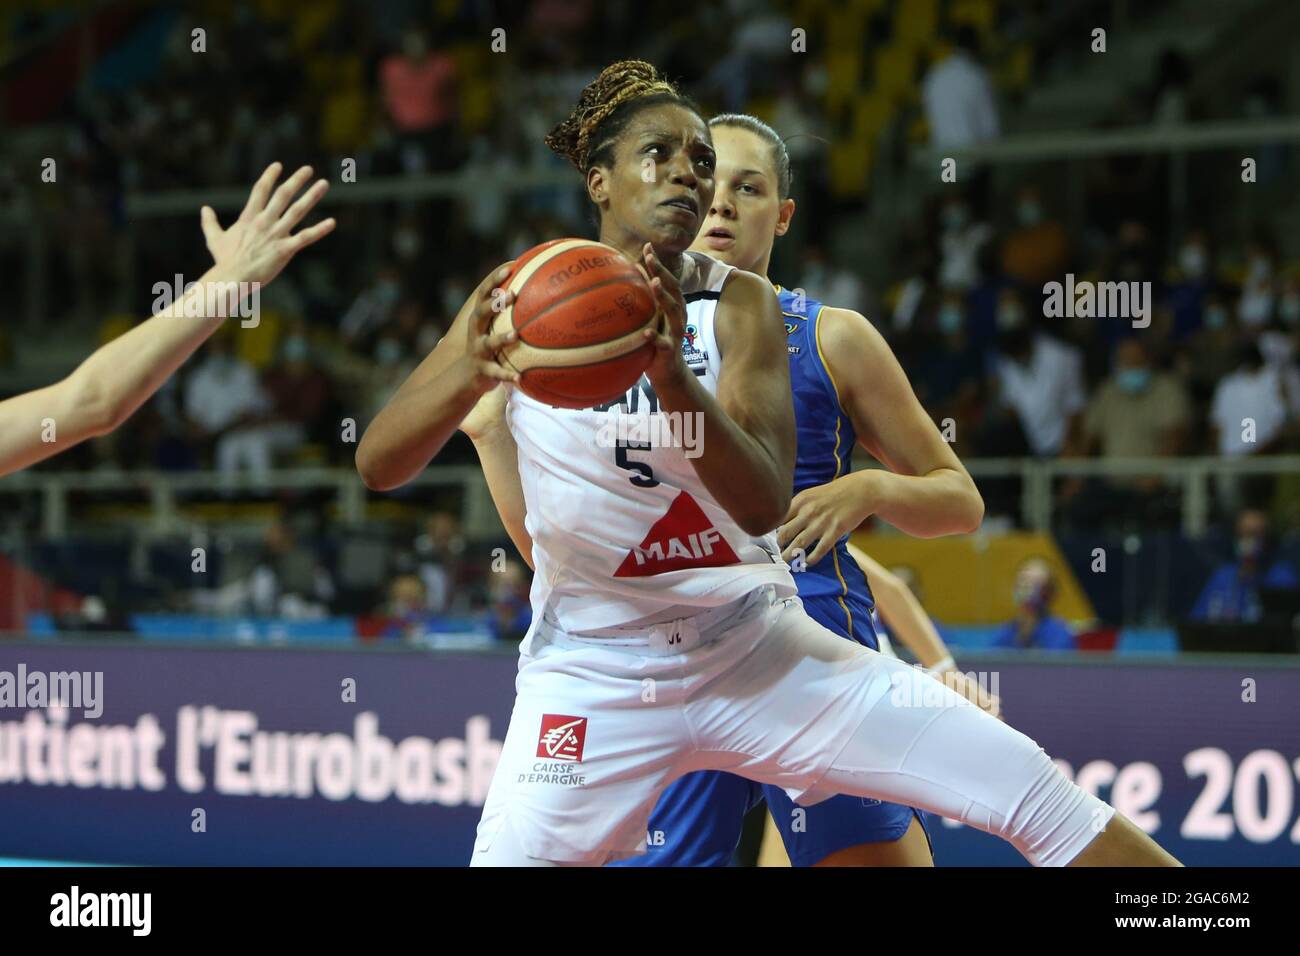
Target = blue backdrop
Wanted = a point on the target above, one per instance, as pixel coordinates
(256, 756)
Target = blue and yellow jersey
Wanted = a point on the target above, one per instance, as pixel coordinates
(825, 450)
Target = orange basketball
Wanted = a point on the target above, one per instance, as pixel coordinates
(580, 308)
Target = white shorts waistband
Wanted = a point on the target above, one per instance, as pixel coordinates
(667, 637)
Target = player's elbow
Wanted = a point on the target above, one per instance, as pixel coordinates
(372, 468)
(90, 407)
(764, 513)
(373, 478)
(971, 512)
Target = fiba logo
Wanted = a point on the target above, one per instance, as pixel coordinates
(688, 340)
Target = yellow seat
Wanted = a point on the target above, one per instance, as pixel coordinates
(850, 163)
(917, 22)
(256, 345)
(981, 14)
(895, 70)
(345, 120)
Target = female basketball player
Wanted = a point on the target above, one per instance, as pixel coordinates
(700, 816)
(629, 681)
(119, 377)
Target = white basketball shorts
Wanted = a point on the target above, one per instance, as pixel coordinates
(601, 724)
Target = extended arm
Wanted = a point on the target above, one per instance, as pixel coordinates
(902, 612)
(908, 622)
(108, 387)
(499, 455)
(925, 492)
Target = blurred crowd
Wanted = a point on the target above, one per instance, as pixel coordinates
(1208, 368)
(410, 87)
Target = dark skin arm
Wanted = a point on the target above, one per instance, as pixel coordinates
(748, 434)
(428, 408)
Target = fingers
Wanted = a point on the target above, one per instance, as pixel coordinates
(796, 504)
(284, 194)
(492, 303)
(825, 542)
(496, 279)
(799, 545)
(502, 374)
(311, 234)
(499, 340)
(652, 261)
(666, 290)
(786, 532)
(298, 210)
(489, 367)
(211, 228)
(261, 190)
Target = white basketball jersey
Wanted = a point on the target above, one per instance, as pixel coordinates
(623, 529)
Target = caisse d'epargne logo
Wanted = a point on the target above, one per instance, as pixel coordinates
(562, 737)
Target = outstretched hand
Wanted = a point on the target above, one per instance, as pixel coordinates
(260, 243)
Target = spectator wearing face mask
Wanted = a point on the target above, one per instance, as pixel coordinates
(1258, 287)
(1034, 627)
(960, 242)
(1248, 412)
(392, 364)
(300, 391)
(1278, 346)
(1288, 305)
(1137, 413)
(1190, 284)
(1232, 593)
(1039, 378)
(1037, 250)
(949, 372)
(228, 409)
(1212, 351)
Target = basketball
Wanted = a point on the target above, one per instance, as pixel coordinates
(579, 309)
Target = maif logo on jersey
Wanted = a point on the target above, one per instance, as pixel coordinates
(562, 737)
(682, 538)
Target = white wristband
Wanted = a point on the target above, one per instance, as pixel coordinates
(944, 665)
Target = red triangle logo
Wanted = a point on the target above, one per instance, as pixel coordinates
(682, 538)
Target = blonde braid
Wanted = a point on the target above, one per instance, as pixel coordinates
(617, 84)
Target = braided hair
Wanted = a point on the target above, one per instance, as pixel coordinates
(586, 137)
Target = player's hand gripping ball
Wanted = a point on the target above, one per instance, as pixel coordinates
(578, 309)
